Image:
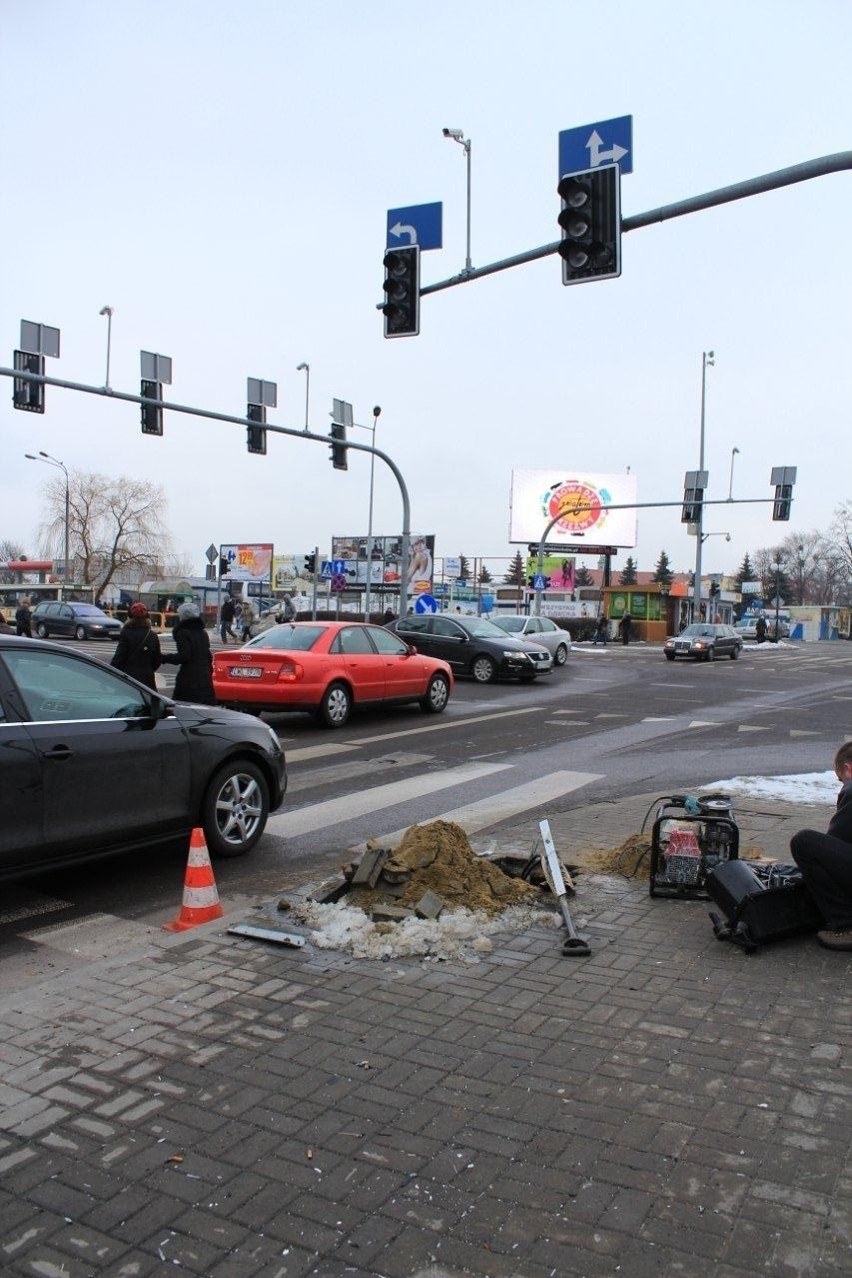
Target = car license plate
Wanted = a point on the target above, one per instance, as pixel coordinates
(245, 672)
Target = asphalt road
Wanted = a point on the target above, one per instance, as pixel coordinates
(610, 723)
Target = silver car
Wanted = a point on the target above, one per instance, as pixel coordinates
(540, 630)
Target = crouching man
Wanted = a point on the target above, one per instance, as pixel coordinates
(825, 861)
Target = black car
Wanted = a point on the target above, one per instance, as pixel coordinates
(92, 762)
(704, 641)
(74, 621)
(473, 646)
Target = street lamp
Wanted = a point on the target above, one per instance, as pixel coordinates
(108, 311)
(367, 597)
(58, 465)
(708, 359)
(457, 135)
(306, 369)
(734, 452)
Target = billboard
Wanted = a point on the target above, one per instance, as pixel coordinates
(247, 562)
(580, 499)
(386, 566)
(558, 572)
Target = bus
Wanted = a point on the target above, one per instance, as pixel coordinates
(11, 595)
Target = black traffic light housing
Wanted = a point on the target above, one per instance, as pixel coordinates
(256, 435)
(152, 414)
(402, 291)
(310, 565)
(694, 483)
(783, 477)
(338, 446)
(591, 224)
(27, 395)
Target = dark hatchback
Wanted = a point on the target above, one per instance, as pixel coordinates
(473, 646)
(74, 621)
(93, 763)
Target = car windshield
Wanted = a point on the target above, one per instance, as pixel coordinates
(479, 628)
(291, 638)
(512, 625)
(697, 631)
(88, 610)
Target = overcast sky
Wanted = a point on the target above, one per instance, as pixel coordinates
(220, 174)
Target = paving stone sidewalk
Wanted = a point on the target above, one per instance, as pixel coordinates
(669, 1106)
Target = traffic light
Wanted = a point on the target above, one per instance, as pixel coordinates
(256, 435)
(224, 566)
(783, 477)
(152, 414)
(715, 589)
(402, 291)
(591, 224)
(310, 565)
(694, 483)
(338, 446)
(26, 395)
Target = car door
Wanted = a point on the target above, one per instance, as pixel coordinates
(415, 630)
(450, 642)
(112, 772)
(403, 671)
(21, 827)
(63, 622)
(364, 666)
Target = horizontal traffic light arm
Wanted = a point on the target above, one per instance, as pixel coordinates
(821, 167)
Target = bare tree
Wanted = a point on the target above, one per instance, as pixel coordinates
(116, 527)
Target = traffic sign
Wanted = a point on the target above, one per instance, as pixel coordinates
(338, 582)
(426, 603)
(419, 224)
(212, 553)
(607, 142)
(539, 582)
(332, 568)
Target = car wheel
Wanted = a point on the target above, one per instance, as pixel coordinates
(437, 695)
(560, 656)
(669, 656)
(735, 652)
(483, 669)
(41, 630)
(80, 633)
(235, 808)
(711, 654)
(336, 705)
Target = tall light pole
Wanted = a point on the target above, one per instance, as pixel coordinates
(108, 311)
(55, 462)
(777, 567)
(457, 135)
(708, 359)
(367, 597)
(734, 452)
(306, 369)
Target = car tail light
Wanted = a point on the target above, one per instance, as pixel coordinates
(290, 672)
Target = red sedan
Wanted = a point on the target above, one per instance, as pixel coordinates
(327, 667)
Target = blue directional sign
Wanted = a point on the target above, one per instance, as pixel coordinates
(419, 224)
(332, 568)
(426, 603)
(607, 142)
(539, 582)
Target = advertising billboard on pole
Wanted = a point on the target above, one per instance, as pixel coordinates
(580, 499)
(247, 562)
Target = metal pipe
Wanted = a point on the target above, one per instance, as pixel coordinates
(707, 359)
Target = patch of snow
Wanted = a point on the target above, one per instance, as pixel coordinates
(806, 787)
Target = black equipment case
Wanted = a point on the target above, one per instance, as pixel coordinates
(690, 837)
(756, 913)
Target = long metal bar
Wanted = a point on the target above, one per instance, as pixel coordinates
(820, 167)
(106, 393)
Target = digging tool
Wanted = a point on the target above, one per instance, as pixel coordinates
(573, 946)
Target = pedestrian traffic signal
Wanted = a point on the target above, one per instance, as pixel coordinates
(224, 566)
(591, 224)
(256, 435)
(152, 414)
(28, 395)
(783, 477)
(310, 565)
(402, 291)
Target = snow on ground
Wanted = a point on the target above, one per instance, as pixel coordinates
(806, 787)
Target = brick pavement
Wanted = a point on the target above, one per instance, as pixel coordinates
(670, 1106)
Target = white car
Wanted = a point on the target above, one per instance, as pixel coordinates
(539, 630)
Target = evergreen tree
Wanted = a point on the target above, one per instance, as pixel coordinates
(583, 577)
(746, 572)
(628, 573)
(484, 575)
(663, 571)
(464, 567)
(515, 574)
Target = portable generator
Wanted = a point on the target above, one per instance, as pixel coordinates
(691, 837)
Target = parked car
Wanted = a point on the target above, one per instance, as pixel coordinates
(328, 667)
(704, 641)
(540, 630)
(94, 763)
(74, 621)
(473, 646)
(746, 627)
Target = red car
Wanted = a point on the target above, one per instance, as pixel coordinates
(327, 667)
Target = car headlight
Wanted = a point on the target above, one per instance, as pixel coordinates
(511, 655)
(699, 643)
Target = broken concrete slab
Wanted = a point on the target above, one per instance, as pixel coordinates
(429, 906)
(370, 867)
(390, 914)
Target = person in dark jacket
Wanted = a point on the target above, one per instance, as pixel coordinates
(825, 861)
(23, 619)
(138, 650)
(625, 626)
(194, 678)
(226, 619)
(760, 630)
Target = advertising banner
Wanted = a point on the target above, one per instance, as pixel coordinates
(580, 499)
(247, 562)
(557, 571)
(386, 566)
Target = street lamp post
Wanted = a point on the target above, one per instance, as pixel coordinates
(734, 452)
(708, 359)
(55, 462)
(108, 311)
(777, 592)
(457, 135)
(306, 369)
(368, 592)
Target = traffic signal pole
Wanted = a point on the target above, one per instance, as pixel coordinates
(108, 393)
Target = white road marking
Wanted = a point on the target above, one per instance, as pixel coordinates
(446, 723)
(801, 732)
(659, 718)
(751, 727)
(499, 807)
(704, 723)
(350, 806)
(318, 751)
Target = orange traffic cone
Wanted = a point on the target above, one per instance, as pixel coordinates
(200, 898)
